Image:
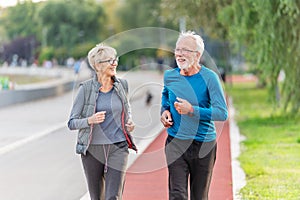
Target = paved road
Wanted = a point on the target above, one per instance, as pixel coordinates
(37, 151)
(43, 169)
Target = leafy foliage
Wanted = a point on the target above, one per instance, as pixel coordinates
(198, 14)
(20, 20)
(270, 31)
(60, 25)
(67, 23)
(46, 53)
(267, 30)
(143, 13)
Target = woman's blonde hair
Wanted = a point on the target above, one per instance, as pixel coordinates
(100, 52)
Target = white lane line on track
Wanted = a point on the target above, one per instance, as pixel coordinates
(26, 140)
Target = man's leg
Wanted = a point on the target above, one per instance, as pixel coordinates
(201, 173)
(178, 180)
(178, 171)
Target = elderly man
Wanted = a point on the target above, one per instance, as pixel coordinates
(192, 99)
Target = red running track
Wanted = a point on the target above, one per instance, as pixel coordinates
(147, 178)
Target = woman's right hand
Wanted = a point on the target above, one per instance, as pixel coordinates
(97, 118)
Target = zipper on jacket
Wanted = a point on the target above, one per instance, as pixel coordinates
(124, 130)
(130, 145)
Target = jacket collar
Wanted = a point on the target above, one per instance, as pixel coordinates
(98, 85)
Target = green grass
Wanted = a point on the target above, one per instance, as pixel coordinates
(271, 152)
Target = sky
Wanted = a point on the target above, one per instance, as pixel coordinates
(5, 3)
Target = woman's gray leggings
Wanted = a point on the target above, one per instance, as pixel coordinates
(104, 167)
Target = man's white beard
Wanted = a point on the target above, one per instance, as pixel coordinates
(185, 66)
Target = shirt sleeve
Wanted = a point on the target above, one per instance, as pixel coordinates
(165, 102)
(218, 109)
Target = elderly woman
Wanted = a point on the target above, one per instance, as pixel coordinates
(101, 113)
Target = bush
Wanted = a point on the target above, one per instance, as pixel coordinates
(47, 53)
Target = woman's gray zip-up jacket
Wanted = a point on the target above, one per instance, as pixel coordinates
(82, 110)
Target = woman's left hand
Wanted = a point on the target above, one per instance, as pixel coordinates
(129, 125)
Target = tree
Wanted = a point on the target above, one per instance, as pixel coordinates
(143, 20)
(20, 20)
(59, 25)
(67, 24)
(202, 17)
(270, 32)
(143, 13)
(113, 23)
(198, 14)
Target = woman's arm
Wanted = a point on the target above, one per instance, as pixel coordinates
(75, 121)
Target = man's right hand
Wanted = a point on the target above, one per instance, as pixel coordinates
(166, 119)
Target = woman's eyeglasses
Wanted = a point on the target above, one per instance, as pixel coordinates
(111, 61)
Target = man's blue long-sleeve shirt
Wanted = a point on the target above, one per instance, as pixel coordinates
(204, 91)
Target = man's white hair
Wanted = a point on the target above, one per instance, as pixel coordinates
(196, 37)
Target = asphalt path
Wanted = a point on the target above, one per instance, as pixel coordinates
(46, 169)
